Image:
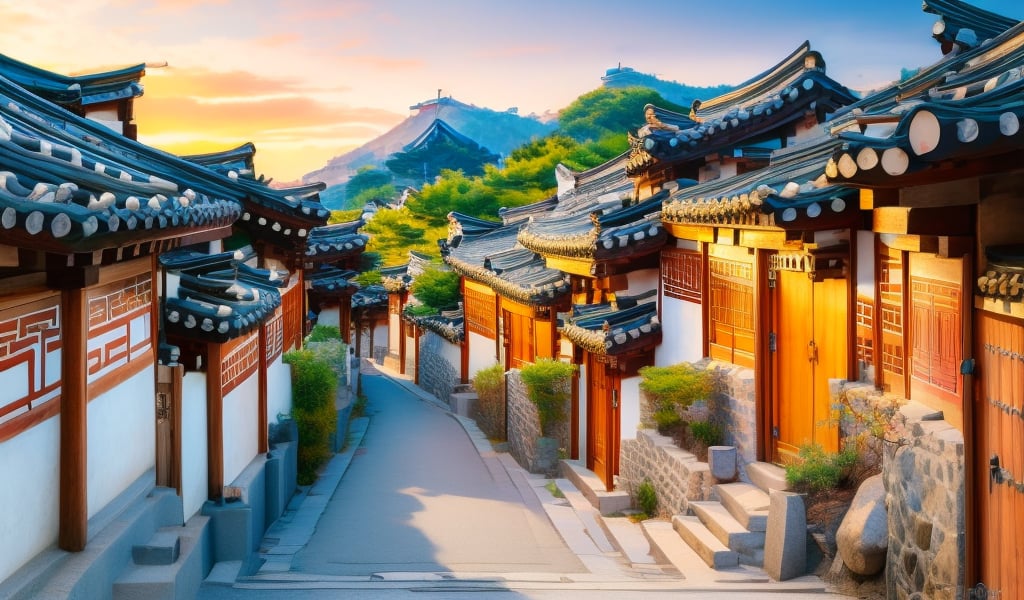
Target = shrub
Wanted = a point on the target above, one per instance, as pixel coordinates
(323, 333)
(436, 288)
(647, 498)
(672, 389)
(547, 384)
(368, 278)
(819, 470)
(706, 433)
(489, 384)
(314, 384)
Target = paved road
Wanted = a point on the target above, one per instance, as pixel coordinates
(418, 497)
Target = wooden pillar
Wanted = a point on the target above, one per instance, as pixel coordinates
(262, 443)
(345, 318)
(214, 422)
(74, 404)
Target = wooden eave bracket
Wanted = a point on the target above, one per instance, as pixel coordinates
(924, 221)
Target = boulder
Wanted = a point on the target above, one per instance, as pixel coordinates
(863, 536)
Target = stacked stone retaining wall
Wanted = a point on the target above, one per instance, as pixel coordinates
(524, 429)
(436, 374)
(677, 476)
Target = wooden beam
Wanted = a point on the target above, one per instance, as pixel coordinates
(689, 231)
(763, 238)
(262, 372)
(910, 243)
(875, 198)
(951, 193)
(214, 422)
(74, 483)
(947, 220)
(574, 266)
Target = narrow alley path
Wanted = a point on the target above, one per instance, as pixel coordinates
(418, 497)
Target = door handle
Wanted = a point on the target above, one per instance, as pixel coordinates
(812, 351)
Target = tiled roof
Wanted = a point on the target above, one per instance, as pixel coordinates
(79, 89)
(71, 185)
(219, 297)
(450, 324)
(328, 280)
(401, 277)
(1003, 278)
(333, 242)
(496, 260)
(957, 18)
(235, 160)
(614, 328)
(965, 119)
(370, 296)
(791, 192)
(438, 129)
(755, 110)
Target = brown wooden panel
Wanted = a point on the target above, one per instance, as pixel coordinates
(681, 274)
(794, 330)
(999, 432)
(602, 422)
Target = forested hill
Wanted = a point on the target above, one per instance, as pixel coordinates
(678, 93)
(499, 132)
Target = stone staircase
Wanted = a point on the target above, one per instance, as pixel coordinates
(729, 530)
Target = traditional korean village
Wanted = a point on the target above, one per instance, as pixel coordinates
(756, 339)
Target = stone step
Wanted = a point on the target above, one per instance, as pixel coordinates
(749, 545)
(591, 486)
(712, 551)
(180, 579)
(161, 549)
(747, 503)
(767, 476)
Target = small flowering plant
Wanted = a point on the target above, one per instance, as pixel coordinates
(872, 416)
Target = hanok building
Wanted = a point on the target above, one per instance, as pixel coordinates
(332, 256)
(403, 336)
(938, 162)
(608, 244)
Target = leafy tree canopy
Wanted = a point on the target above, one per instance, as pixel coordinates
(393, 233)
(437, 289)
(614, 111)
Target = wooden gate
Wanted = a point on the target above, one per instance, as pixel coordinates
(999, 467)
(168, 426)
(602, 421)
(810, 348)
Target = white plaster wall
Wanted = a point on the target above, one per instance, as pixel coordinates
(241, 422)
(380, 334)
(452, 354)
(194, 470)
(394, 332)
(681, 333)
(642, 281)
(121, 438)
(29, 509)
(279, 390)
(330, 315)
(481, 353)
(583, 414)
(866, 264)
(629, 407)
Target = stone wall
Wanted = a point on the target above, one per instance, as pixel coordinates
(734, 409)
(524, 429)
(437, 375)
(678, 477)
(924, 483)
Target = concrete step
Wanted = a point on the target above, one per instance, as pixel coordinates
(749, 545)
(747, 503)
(180, 579)
(591, 486)
(161, 549)
(712, 551)
(767, 476)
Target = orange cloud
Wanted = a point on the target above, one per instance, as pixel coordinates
(201, 83)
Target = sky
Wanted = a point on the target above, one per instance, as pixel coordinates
(307, 80)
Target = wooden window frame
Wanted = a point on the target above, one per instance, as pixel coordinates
(681, 274)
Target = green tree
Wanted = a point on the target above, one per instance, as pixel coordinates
(437, 288)
(369, 184)
(393, 233)
(605, 111)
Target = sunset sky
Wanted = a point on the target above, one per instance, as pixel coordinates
(306, 80)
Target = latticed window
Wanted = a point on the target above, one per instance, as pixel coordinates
(731, 293)
(480, 312)
(937, 332)
(890, 288)
(680, 274)
(865, 331)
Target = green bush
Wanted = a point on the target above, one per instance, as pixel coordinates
(672, 389)
(314, 384)
(706, 432)
(437, 288)
(819, 470)
(368, 278)
(489, 384)
(547, 384)
(323, 333)
(647, 498)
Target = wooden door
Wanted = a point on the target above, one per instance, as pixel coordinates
(999, 464)
(810, 348)
(168, 426)
(602, 422)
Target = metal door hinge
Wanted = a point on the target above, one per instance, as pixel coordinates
(772, 344)
(775, 432)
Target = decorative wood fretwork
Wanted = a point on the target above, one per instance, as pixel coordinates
(241, 360)
(937, 332)
(732, 310)
(120, 329)
(30, 364)
(890, 289)
(865, 330)
(481, 314)
(681, 274)
(275, 336)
